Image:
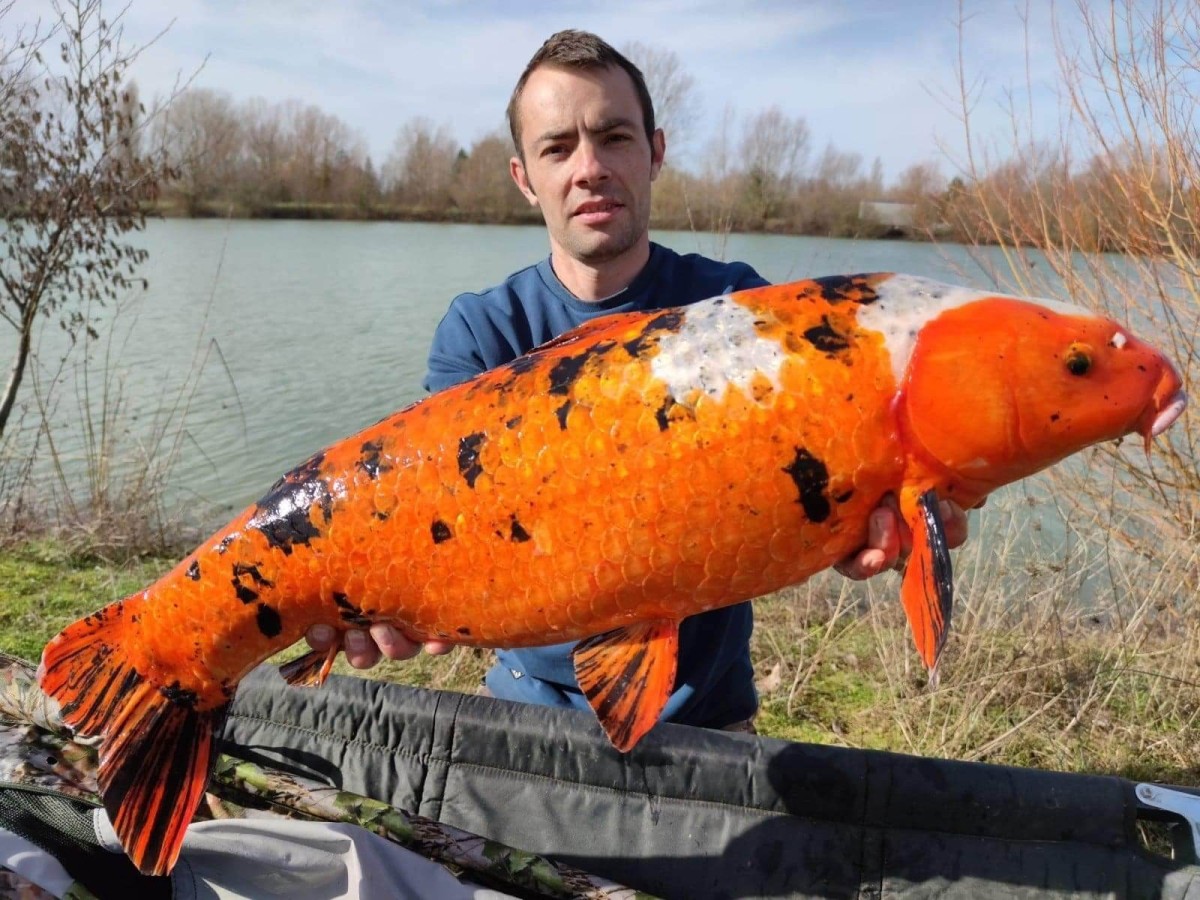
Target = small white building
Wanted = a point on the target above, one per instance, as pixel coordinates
(887, 212)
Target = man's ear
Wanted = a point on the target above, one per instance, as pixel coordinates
(658, 152)
(516, 169)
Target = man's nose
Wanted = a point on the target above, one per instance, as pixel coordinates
(590, 166)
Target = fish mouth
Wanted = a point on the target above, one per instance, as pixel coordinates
(1168, 414)
(1164, 409)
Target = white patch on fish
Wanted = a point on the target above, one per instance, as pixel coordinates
(907, 302)
(716, 347)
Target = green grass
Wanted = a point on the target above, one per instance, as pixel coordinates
(43, 587)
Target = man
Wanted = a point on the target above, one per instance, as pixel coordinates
(588, 150)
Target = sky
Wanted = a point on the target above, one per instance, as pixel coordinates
(872, 77)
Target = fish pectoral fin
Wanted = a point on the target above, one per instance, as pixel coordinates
(311, 669)
(627, 675)
(927, 591)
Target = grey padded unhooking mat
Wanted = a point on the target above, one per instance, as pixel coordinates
(694, 814)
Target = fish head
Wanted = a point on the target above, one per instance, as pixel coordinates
(1001, 387)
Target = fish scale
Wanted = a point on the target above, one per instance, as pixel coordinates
(633, 472)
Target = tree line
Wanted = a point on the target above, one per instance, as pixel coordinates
(254, 158)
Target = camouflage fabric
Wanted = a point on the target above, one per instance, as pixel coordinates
(37, 749)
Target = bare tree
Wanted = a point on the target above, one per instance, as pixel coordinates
(676, 103)
(482, 187)
(828, 201)
(774, 148)
(72, 176)
(421, 165)
(201, 133)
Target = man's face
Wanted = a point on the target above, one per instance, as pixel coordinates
(588, 163)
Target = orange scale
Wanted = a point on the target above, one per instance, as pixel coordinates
(645, 426)
(607, 417)
(614, 544)
(663, 558)
(635, 568)
(375, 582)
(697, 548)
(786, 546)
(670, 528)
(573, 463)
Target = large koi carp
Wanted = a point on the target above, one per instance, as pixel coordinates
(643, 468)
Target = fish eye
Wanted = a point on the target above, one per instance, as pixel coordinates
(1078, 359)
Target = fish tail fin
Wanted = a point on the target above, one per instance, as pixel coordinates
(156, 748)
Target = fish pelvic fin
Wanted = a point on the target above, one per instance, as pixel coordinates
(311, 669)
(627, 676)
(927, 591)
(157, 747)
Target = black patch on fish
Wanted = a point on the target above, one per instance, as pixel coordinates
(512, 423)
(240, 569)
(812, 480)
(841, 288)
(245, 594)
(565, 371)
(826, 338)
(1054, 417)
(268, 621)
(179, 695)
(193, 571)
(844, 496)
(382, 516)
(464, 631)
(468, 457)
(518, 534)
(663, 414)
(522, 364)
(671, 320)
(440, 531)
(348, 611)
(371, 461)
(561, 414)
(224, 545)
(283, 515)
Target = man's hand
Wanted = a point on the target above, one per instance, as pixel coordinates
(366, 648)
(889, 542)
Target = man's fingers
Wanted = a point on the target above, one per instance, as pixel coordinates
(392, 643)
(954, 523)
(361, 651)
(321, 637)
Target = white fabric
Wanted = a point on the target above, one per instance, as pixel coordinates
(33, 863)
(232, 859)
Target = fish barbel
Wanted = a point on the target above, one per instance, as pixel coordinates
(640, 469)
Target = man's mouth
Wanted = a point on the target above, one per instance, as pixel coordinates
(597, 210)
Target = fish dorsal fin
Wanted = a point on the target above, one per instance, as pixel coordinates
(928, 588)
(627, 675)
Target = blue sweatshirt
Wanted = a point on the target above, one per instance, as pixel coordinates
(714, 684)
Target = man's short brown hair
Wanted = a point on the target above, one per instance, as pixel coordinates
(573, 49)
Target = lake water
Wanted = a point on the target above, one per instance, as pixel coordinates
(309, 331)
